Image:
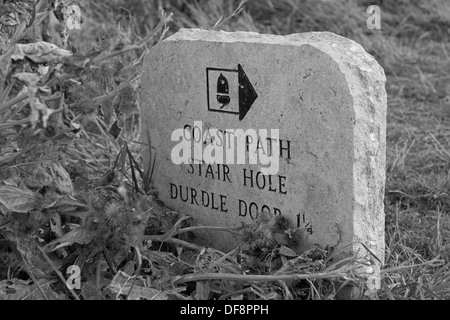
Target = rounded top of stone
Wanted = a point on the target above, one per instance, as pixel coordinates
(328, 42)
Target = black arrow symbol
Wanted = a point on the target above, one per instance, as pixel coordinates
(247, 94)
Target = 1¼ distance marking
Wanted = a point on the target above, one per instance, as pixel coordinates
(301, 221)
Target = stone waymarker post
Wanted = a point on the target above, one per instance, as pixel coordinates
(307, 113)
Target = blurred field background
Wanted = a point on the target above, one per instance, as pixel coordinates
(413, 48)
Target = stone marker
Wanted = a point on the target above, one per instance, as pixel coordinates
(300, 121)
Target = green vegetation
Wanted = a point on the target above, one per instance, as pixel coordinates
(72, 191)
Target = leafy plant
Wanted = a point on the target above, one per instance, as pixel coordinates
(58, 104)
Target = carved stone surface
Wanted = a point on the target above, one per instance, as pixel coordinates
(323, 95)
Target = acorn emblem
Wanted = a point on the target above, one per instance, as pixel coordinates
(223, 91)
